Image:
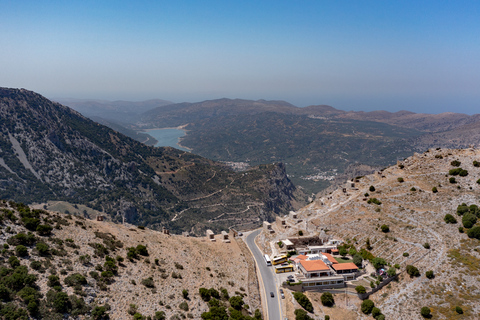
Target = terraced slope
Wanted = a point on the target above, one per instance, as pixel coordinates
(415, 216)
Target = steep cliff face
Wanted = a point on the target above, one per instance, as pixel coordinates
(50, 152)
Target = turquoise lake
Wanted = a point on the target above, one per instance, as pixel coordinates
(167, 137)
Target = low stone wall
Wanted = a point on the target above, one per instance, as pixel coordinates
(382, 284)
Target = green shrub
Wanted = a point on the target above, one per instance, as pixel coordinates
(301, 314)
(43, 249)
(372, 189)
(185, 294)
(327, 300)
(385, 228)
(400, 180)
(425, 312)
(376, 312)
(374, 200)
(434, 190)
(412, 271)
(458, 309)
(413, 189)
(100, 313)
(21, 251)
(367, 306)
(75, 279)
(426, 245)
(44, 229)
(360, 289)
(469, 220)
(53, 281)
(183, 306)
(452, 180)
(236, 302)
(460, 229)
(142, 250)
(13, 261)
(455, 163)
(429, 274)
(36, 265)
(391, 272)
(450, 219)
(474, 233)
(148, 282)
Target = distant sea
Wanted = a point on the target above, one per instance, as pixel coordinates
(167, 137)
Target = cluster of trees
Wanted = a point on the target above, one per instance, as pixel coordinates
(469, 214)
(368, 307)
(223, 307)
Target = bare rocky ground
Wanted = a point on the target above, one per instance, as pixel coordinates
(195, 262)
(415, 216)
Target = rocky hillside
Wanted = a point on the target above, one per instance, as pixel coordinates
(50, 152)
(422, 212)
(55, 266)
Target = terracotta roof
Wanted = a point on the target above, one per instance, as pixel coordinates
(345, 266)
(301, 257)
(314, 265)
(334, 250)
(330, 258)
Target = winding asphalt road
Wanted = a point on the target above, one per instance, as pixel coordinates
(267, 277)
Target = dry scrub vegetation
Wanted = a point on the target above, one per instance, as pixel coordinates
(148, 271)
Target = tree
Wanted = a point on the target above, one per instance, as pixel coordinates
(342, 251)
(352, 251)
(378, 262)
(412, 271)
(357, 259)
(303, 301)
(372, 189)
(327, 299)
(360, 289)
(367, 306)
(450, 219)
(385, 228)
(425, 312)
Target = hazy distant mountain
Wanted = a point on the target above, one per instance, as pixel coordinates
(312, 141)
(50, 152)
(118, 111)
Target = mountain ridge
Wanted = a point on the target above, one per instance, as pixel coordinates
(81, 161)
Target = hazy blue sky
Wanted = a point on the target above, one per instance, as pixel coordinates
(422, 56)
